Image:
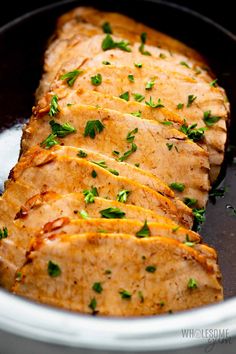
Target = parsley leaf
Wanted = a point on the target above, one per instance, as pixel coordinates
(125, 96)
(130, 137)
(106, 62)
(109, 43)
(170, 146)
(93, 304)
(209, 119)
(177, 186)
(82, 153)
(103, 164)
(122, 196)
(107, 28)
(199, 216)
(3, 233)
(90, 194)
(214, 83)
(144, 231)
(138, 97)
(154, 105)
(180, 106)
(162, 56)
(184, 64)
(143, 38)
(131, 77)
(97, 287)
(191, 99)
(191, 132)
(151, 269)
(138, 65)
(96, 80)
(125, 294)
(167, 122)
(54, 107)
(61, 131)
(137, 114)
(70, 77)
(128, 153)
(93, 127)
(49, 141)
(112, 213)
(84, 214)
(149, 85)
(190, 202)
(53, 269)
(192, 283)
(94, 174)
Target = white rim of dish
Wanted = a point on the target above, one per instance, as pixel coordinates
(39, 322)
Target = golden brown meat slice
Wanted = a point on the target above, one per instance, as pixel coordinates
(41, 170)
(159, 149)
(120, 275)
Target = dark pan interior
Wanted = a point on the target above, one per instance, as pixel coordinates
(22, 45)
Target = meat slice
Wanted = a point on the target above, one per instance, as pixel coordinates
(117, 275)
(41, 170)
(185, 163)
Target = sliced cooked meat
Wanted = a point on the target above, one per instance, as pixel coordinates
(42, 170)
(185, 163)
(118, 275)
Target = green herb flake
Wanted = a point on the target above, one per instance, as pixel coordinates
(70, 77)
(154, 105)
(61, 131)
(151, 269)
(128, 153)
(137, 114)
(107, 28)
(106, 62)
(125, 294)
(138, 97)
(177, 186)
(162, 56)
(109, 43)
(143, 38)
(112, 213)
(97, 287)
(94, 174)
(93, 304)
(141, 297)
(96, 80)
(49, 141)
(130, 136)
(122, 196)
(166, 122)
(210, 120)
(176, 228)
(138, 65)
(199, 216)
(137, 164)
(84, 214)
(144, 231)
(90, 195)
(190, 202)
(18, 276)
(131, 77)
(54, 107)
(125, 96)
(169, 146)
(191, 99)
(3, 233)
(188, 242)
(162, 303)
(192, 283)
(149, 85)
(108, 272)
(103, 164)
(184, 64)
(213, 83)
(191, 132)
(82, 154)
(116, 153)
(53, 269)
(93, 127)
(180, 106)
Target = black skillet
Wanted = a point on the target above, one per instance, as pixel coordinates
(22, 45)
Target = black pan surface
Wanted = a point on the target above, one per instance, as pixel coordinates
(22, 45)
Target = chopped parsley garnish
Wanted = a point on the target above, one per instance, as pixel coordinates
(116, 153)
(177, 186)
(130, 137)
(144, 231)
(125, 294)
(54, 107)
(188, 242)
(214, 83)
(162, 56)
(167, 122)
(191, 99)
(93, 304)
(84, 214)
(53, 269)
(143, 38)
(90, 194)
(190, 202)
(128, 153)
(176, 228)
(103, 164)
(199, 216)
(125, 96)
(105, 62)
(70, 77)
(185, 64)
(61, 131)
(149, 85)
(191, 132)
(180, 106)
(140, 295)
(82, 153)
(170, 146)
(3, 233)
(192, 283)
(122, 196)
(154, 105)
(108, 272)
(93, 127)
(162, 303)
(97, 287)
(107, 28)
(131, 77)
(137, 114)
(94, 174)
(109, 43)
(151, 269)
(138, 65)
(18, 276)
(49, 141)
(96, 80)
(137, 164)
(138, 97)
(210, 120)
(112, 213)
